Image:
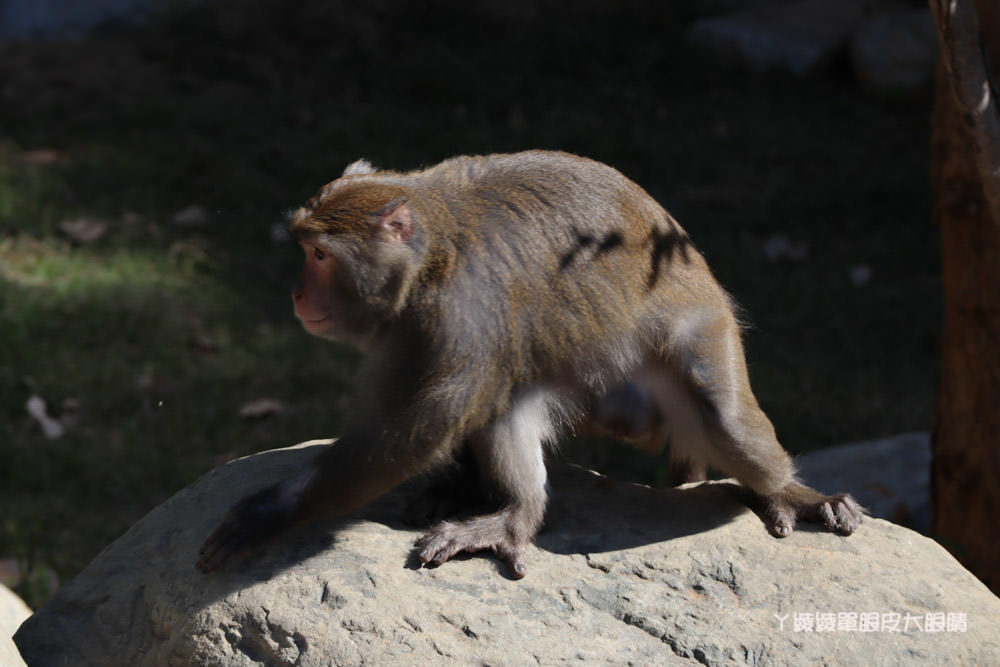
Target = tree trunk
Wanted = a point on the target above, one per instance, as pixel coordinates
(965, 474)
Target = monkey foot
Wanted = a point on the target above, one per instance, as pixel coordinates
(839, 513)
(448, 539)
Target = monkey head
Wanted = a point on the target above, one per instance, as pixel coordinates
(363, 249)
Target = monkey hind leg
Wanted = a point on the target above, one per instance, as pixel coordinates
(686, 469)
(707, 380)
(509, 456)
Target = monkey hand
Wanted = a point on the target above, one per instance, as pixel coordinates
(248, 523)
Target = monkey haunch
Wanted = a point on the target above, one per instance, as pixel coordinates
(500, 299)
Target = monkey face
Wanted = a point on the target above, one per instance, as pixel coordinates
(314, 297)
(361, 259)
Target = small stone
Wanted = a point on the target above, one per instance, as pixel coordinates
(895, 54)
(192, 216)
(798, 37)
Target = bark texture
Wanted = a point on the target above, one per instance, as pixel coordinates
(965, 473)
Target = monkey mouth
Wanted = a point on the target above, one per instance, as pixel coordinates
(316, 323)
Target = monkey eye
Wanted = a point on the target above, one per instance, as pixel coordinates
(319, 254)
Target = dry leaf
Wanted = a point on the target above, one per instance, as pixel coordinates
(260, 408)
(780, 247)
(83, 230)
(42, 156)
(131, 218)
(69, 413)
(50, 427)
(10, 572)
(192, 216)
(202, 342)
(144, 381)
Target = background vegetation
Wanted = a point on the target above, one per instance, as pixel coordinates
(148, 340)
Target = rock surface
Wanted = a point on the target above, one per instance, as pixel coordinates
(13, 611)
(891, 477)
(621, 574)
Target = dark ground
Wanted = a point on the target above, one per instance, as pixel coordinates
(158, 333)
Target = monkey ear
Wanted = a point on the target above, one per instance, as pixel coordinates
(361, 166)
(395, 221)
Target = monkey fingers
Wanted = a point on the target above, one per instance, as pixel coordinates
(248, 523)
(839, 513)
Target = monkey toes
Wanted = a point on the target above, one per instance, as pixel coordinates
(447, 539)
(839, 513)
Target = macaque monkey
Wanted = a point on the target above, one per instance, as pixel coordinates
(499, 300)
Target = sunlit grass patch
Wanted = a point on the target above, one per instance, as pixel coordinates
(63, 270)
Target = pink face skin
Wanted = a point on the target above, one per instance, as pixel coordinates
(311, 296)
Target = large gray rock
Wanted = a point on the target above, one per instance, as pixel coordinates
(891, 477)
(13, 611)
(621, 574)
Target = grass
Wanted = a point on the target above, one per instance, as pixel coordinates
(158, 333)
